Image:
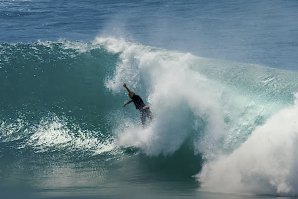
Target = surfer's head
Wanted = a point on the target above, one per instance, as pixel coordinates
(131, 94)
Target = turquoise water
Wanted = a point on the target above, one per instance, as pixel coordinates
(220, 78)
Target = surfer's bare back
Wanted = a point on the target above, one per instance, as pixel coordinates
(146, 115)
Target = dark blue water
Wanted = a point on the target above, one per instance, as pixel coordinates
(262, 32)
(220, 77)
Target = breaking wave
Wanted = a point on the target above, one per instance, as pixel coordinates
(66, 97)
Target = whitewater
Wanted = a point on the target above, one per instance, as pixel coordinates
(235, 122)
(243, 117)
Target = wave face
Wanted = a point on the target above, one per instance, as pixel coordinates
(52, 98)
(65, 97)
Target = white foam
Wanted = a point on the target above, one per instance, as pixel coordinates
(78, 46)
(53, 134)
(50, 134)
(11, 131)
(189, 93)
(266, 163)
(178, 96)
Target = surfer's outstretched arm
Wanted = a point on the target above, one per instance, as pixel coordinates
(128, 102)
(128, 90)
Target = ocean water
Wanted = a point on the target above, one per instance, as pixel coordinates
(220, 77)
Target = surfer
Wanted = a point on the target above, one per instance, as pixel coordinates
(146, 115)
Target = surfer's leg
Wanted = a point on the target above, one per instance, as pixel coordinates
(146, 116)
(143, 118)
(149, 114)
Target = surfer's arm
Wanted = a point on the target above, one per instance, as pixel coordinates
(128, 90)
(128, 102)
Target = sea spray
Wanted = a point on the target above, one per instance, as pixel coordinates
(177, 96)
(265, 163)
(225, 104)
(214, 99)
